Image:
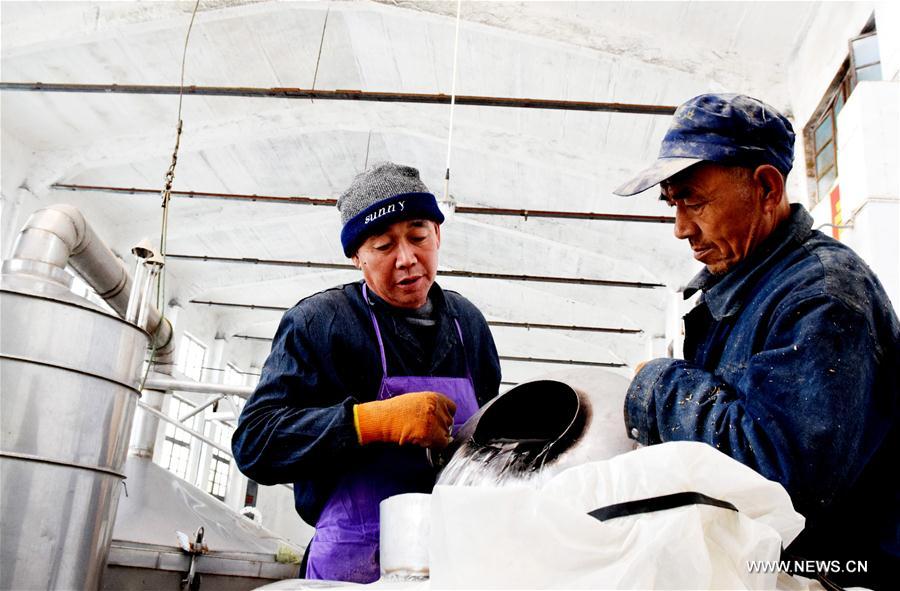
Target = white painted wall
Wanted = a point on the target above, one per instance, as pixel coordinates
(868, 131)
(869, 161)
(887, 20)
(822, 51)
(13, 196)
(819, 55)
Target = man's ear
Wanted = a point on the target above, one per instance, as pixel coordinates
(356, 263)
(771, 184)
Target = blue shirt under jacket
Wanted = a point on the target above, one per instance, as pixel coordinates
(298, 424)
(791, 367)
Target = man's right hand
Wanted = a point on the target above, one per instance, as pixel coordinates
(417, 418)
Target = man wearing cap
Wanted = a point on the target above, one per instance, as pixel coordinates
(792, 352)
(364, 378)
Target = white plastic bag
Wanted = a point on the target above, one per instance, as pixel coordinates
(526, 537)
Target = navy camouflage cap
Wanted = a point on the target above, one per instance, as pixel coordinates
(730, 129)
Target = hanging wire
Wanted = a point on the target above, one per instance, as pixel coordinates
(170, 174)
(321, 43)
(452, 103)
(167, 196)
(368, 143)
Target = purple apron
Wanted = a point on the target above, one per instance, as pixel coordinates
(345, 545)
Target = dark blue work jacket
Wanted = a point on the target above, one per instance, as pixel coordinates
(791, 367)
(298, 424)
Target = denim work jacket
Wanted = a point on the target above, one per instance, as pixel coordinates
(298, 424)
(791, 367)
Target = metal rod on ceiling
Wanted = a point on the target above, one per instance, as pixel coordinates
(573, 327)
(344, 95)
(459, 209)
(503, 323)
(561, 361)
(502, 357)
(252, 338)
(571, 215)
(444, 273)
(237, 371)
(198, 194)
(236, 305)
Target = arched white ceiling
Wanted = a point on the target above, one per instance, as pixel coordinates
(642, 52)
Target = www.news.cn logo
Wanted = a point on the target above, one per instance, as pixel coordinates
(807, 567)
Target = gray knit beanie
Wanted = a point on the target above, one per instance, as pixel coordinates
(381, 196)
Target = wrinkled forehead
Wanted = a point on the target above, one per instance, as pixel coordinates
(702, 177)
(404, 226)
(671, 188)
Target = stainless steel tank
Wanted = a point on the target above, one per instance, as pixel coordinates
(69, 374)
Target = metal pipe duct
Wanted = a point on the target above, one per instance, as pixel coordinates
(201, 387)
(59, 235)
(167, 419)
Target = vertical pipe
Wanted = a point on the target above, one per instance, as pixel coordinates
(152, 267)
(136, 297)
(146, 426)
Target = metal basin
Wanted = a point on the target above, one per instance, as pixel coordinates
(540, 428)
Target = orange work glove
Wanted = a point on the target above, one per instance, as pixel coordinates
(419, 418)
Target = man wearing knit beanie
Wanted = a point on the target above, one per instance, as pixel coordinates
(365, 378)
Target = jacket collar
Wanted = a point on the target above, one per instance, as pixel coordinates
(435, 294)
(724, 295)
(444, 313)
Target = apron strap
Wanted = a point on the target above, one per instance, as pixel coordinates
(660, 503)
(365, 292)
(462, 342)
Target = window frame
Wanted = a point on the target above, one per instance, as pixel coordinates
(193, 343)
(854, 67)
(177, 439)
(219, 463)
(834, 99)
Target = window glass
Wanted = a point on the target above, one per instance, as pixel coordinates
(825, 158)
(233, 376)
(823, 132)
(869, 73)
(191, 355)
(865, 50)
(219, 470)
(839, 100)
(220, 464)
(176, 450)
